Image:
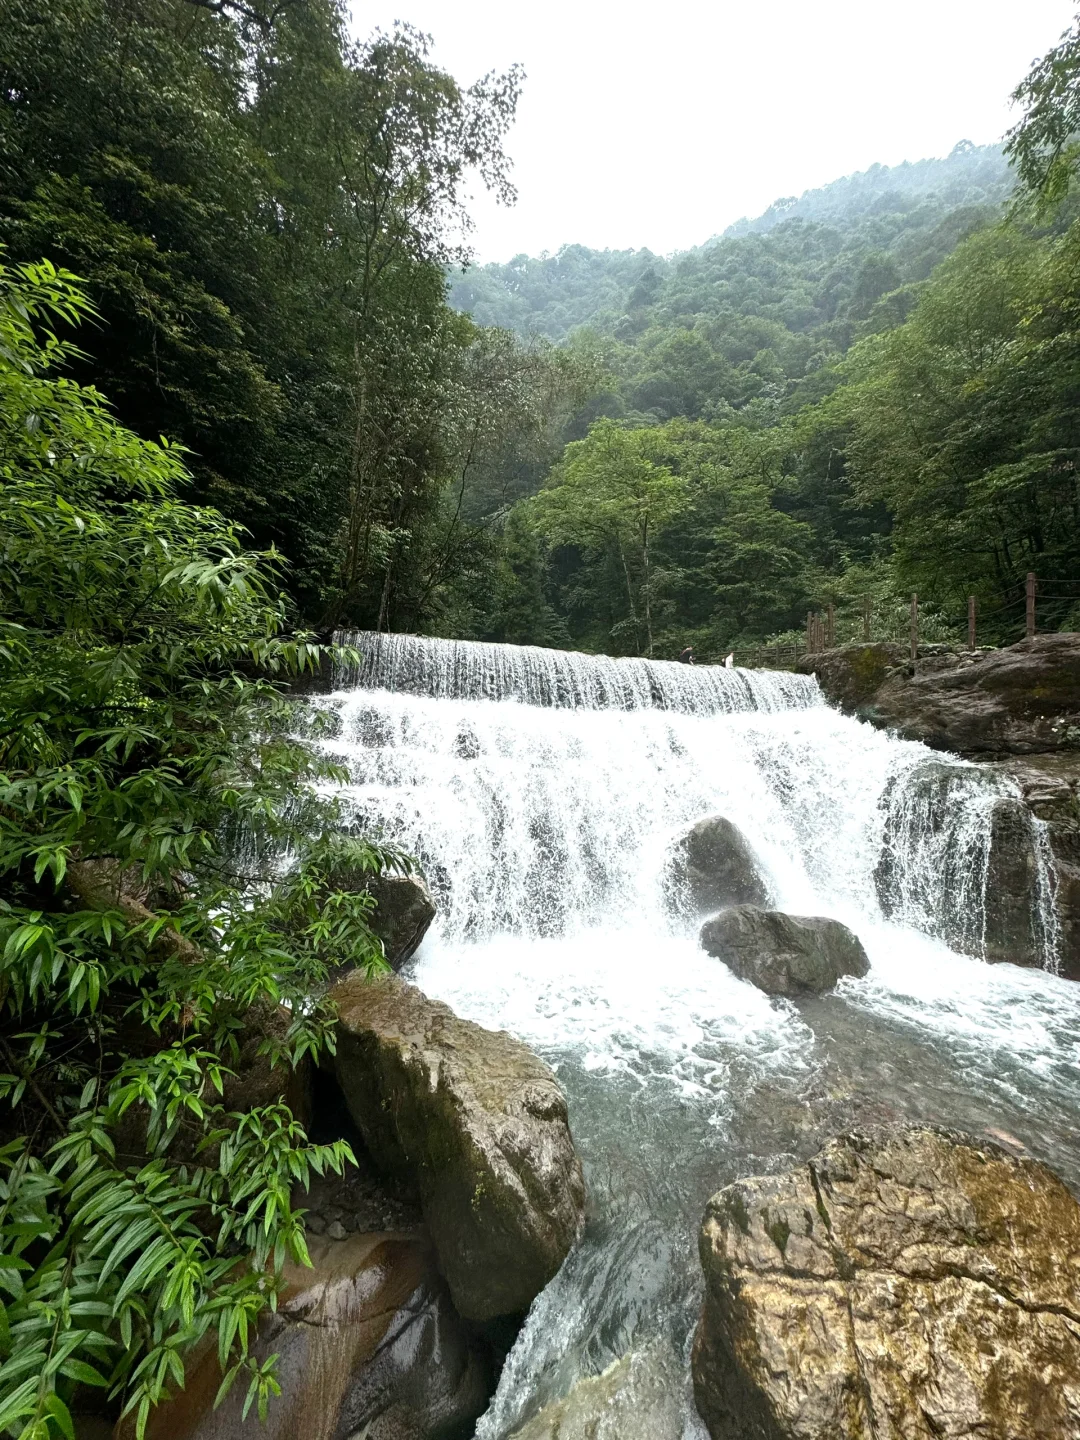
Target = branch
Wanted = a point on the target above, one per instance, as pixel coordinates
(265, 19)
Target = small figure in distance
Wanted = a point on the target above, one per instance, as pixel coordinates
(687, 656)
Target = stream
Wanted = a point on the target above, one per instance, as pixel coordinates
(541, 792)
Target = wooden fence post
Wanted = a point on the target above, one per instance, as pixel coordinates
(830, 626)
(914, 625)
(971, 622)
(809, 632)
(866, 618)
(1030, 604)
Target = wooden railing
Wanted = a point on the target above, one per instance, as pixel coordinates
(821, 624)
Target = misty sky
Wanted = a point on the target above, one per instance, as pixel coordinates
(658, 125)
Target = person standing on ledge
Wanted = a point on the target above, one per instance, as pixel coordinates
(687, 656)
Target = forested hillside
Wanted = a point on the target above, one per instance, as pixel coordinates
(262, 212)
(864, 392)
(803, 277)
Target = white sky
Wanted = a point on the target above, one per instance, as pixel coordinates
(658, 125)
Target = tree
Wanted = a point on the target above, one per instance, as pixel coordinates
(149, 788)
(1044, 145)
(963, 422)
(610, 495)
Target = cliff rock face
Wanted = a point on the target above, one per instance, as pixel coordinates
(983, 704)
(784, 954)
(1050, 785)
(477, 1125)
(906, 1284)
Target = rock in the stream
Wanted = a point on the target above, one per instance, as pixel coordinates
(713, 866)
(368, 1338)
(784, 954)
(906, 1284)
(403, 914)
(477, 1124)
(637, 1398)
(1050, 785)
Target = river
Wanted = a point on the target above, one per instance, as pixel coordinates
(542, 792)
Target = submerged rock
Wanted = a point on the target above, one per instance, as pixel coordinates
(477, 1125)
(368, 1338)
(908, 1283)
(713, 866)
(403, 914)
(784, 954)
(637, 1398)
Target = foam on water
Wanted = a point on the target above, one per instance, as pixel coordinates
(544, 827)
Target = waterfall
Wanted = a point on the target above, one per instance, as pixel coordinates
(469, 670)
(542, 792)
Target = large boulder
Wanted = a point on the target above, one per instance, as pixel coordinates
(713, 866)
(403, 914)
(636, 1398)
(784, 954)
(477, 1125)
(911, 1284)
(984, 888)
(1050, 786)
(984, 704)
(367, 1338)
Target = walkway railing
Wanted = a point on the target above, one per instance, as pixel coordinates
(1032, 600)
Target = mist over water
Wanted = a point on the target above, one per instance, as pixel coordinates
(541, 792)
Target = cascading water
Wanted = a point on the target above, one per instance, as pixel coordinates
(541, 792)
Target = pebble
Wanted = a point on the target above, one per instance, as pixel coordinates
(336, 1230)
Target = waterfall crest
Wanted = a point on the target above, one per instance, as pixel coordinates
(564, 679)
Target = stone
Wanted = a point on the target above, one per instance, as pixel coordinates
(784, 954)
(713, 866)
(403, 914)
(851, 675)
(988, 893)
(477, 1125)
(906, 1284)
(636, 1398)
(368, 1338)
(1050, 786)
(982, 704)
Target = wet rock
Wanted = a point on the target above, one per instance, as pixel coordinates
(637, 1398)
(403, 914)
(1022, 700)
(784, 954)
(714, 866)
(984, 889)
(851, 675)
(1050, 786)
(477, 1125)
(368, 1338)
(909, 1283)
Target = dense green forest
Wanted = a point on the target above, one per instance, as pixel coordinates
(238, 411)
(877, 378)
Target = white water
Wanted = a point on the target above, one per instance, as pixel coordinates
(543, 814)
